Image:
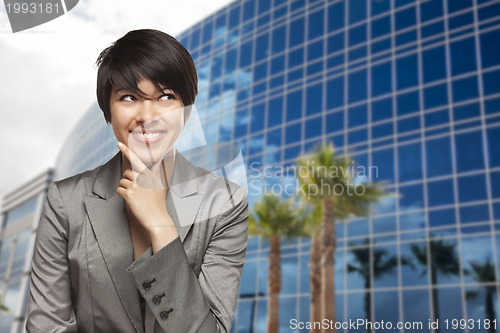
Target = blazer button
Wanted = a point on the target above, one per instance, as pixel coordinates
(147, 284)
(164, 314)
(157, 298)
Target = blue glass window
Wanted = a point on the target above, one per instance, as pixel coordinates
(357, 35)
(381, 46)
(461, 20)
(314, 98)
(296, 32)
(314, 127)
(436, 118)
(336, 17)
(357, 116)
(357, 11)
(248, 10)
(476, 213)
(258, 112)
(264, 6)
(412, 197)
(336, 42)
(357, 86)
(234, 17)
(335, 122)
(279, 39)
(414, 276)
(407, 71)
(406, 37)
(494, 146)
(381, 26)
(256, 144)
(408, 103)
(442, 217)
(466, 111)
(440, 192)
(492, 106)
(434, 64)
(454, 5)
(315, 50)
(490, 48)
(490, 82)
(465, 89)
(292, 152)
(438, 157)
(262, 47)
(381, 79)
(469, 151)
(274, 138)
(405, 18)
(382, 130)
(296, 57)
(316, 24)
(430, 10)
(246, 54)
(357, 53)
(408, 124)
(260, 72)
(335, 93)
(432, 29)
(241, 123)
(472, 188)
(207, 31)
(357, 136)
(277, 65)
(294, 105)
(435, 96)
(275, 112)
(230, 63)
(379, 7)
(463, 57)
(495, 184)
(410, 162)
(293, 133)
(216, 68)
(195, 39)
(382, 109)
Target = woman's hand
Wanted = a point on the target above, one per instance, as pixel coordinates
(145, 195)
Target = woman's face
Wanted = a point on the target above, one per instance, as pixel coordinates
(148, 125)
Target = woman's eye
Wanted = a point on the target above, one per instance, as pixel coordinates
(127, 98)
(167, 97)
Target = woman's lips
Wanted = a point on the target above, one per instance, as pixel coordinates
(148, 137)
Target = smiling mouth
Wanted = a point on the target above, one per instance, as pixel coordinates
(148, 136)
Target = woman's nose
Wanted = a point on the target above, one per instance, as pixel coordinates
(146, 112)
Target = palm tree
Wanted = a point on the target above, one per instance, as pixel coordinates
(273, 218)
(485, 273)
(382, 265)
(326, 178)
(443, 259)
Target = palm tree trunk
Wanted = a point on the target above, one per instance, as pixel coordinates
(368, 300)
(490, 310)
(274, 285)
(315, 281)
(328, 245)
(435, 303)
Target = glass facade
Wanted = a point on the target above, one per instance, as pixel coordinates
(20, 214)
(409, 87)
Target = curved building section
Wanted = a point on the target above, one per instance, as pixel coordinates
(90, 144)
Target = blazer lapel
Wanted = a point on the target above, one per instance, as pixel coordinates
(184, 196)
(108, 217)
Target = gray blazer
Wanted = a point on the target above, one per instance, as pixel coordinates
(85, 279)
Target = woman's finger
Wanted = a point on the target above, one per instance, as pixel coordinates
(125, 183)
(135, 161)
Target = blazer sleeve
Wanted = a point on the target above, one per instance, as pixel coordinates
(50, 304)
(180, 301)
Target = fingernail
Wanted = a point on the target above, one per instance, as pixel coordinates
(120, 144)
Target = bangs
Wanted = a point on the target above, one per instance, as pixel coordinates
(129, 75)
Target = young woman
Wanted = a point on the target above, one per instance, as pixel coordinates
(147, 242)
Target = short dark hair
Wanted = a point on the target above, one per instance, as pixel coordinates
(145, 54)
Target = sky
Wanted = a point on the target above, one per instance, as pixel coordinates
(47, 73)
